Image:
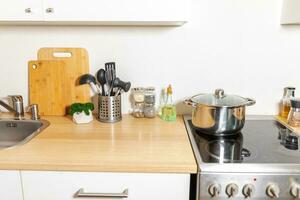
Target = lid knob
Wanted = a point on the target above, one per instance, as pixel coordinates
(219, 93)
(295, 102)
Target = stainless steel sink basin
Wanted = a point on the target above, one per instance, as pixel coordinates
(16, 132)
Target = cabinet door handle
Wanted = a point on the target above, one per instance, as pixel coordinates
(50, 10)
(81, 194)
(28, 10)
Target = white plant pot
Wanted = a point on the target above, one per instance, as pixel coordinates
(82, 118)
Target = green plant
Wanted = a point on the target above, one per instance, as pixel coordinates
(81, 107)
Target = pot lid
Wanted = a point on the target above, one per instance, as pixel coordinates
(220, 99)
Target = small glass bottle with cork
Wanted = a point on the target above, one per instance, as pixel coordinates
(168, 111)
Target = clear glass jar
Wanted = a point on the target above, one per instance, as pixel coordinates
(149, 109)
(138, 102)
(138, 110)
(294, 114)
(138, 94)
(289, 92)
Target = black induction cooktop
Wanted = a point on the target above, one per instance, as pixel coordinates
(260, 141)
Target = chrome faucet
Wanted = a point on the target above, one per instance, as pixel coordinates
(17, 105)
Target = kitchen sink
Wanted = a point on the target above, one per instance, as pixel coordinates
(15, 132)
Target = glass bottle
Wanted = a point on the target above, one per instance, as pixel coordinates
(289, 92)
(294, 114)
(169, 109)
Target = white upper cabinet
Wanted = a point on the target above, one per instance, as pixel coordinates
(20, 11)
(290, 12)
(96, 12)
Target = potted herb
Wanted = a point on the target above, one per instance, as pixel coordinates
(82, 112)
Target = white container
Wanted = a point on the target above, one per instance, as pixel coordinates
(82, 118)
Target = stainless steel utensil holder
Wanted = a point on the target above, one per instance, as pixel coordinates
(109, 109)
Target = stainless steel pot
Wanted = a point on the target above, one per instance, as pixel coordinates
(218, 113)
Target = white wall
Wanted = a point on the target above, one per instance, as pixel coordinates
(237, 45)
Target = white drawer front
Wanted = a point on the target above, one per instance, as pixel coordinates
(64, 185)
(10, 185)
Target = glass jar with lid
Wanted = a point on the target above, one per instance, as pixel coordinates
(294, 114)
(149, 108)
(138, 102)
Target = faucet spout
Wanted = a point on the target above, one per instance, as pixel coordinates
(17, 107)
(6, 106)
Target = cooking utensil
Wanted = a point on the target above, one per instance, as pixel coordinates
(49, 87)
(110, 69)
(108, 82)
(121, 84)
(101, 77)
(219, 114)
(118, 92)
(91, 80)
(76, 64)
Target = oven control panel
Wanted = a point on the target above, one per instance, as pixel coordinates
(248, 186)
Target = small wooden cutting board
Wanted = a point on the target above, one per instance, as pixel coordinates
(47, 86)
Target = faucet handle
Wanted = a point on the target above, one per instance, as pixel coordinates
(16, 98)
(17, 104)
(34, 110)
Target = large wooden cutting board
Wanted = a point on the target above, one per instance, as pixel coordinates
(47, 86)
(76, 64)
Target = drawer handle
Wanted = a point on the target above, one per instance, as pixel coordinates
(81, 194)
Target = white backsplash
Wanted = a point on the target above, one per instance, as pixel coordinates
(236, 45)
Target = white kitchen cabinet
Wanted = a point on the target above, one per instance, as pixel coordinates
(10, 185)
(290, 12)
(21, 11)
(95, 12)
(65, 185)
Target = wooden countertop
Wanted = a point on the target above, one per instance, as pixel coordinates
(132, 145)
(284, 122)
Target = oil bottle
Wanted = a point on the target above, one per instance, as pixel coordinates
(289, 92)
(168, 111)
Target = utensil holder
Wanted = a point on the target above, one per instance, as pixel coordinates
(109, 109)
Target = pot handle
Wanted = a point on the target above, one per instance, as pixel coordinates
(190, 103)
(250, 102)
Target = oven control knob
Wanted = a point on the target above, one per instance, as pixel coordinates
(273, 191)
(232, 190)
(295, 191)
(214, 189)
(248, 190)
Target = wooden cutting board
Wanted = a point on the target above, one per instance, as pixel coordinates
(47, 86)
(77, 64)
